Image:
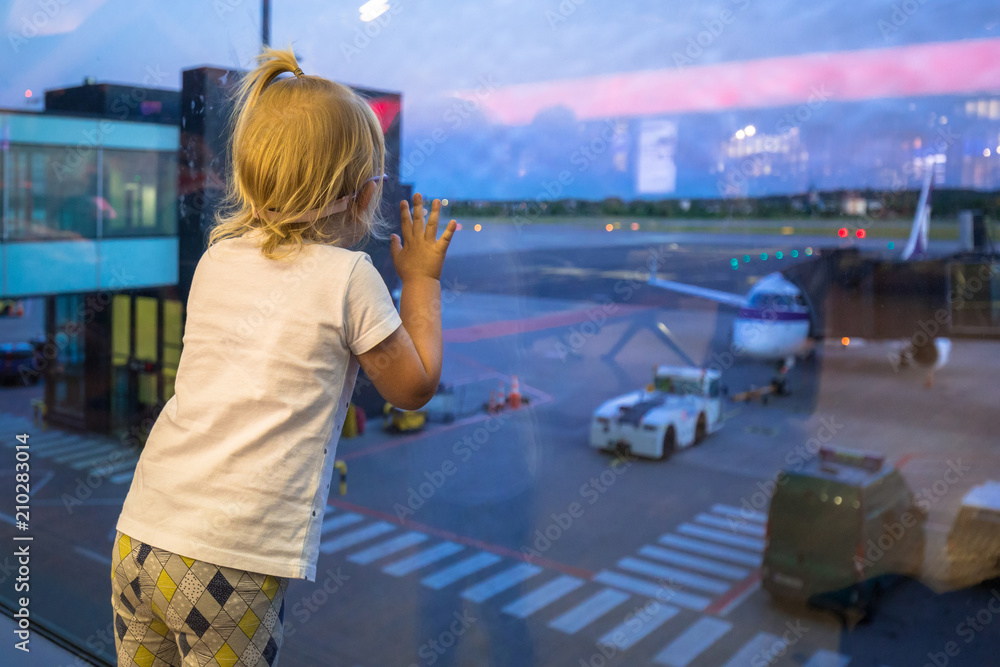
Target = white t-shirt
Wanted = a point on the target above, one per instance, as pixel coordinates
(237, 467)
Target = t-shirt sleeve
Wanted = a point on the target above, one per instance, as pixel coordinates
(369, 314)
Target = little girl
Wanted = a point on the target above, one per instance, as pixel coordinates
(229, 494)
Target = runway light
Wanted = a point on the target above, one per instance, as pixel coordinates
(478, 227)
(735, 263)
(890, 245)
(746, 258)
(845, 341)
(779, 255)
(750, 130)
(634, 226)
(444, 202)
(842, 232)
(809, 251)
(860, 233)
(373, 9)
(740, 134)
(795, 253)
(763, 255)
(986, 152)
(458, 226)
(609, 227)
(27, 93)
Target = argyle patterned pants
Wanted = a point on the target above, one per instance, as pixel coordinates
(170, 610)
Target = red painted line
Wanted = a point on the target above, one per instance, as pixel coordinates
(499, 328)
(733, 593)
(903, 460)
(468, 541)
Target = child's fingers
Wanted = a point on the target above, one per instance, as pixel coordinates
(405, 222)
(445, 239)
(418, 215)
(431, 232)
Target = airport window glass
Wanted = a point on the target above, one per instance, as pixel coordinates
(801, 200)
(53, 193)
(140, 188)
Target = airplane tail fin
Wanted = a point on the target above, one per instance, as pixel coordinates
(916, 245)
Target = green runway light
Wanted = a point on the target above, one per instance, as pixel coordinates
(746, 258)
(778, 255)
(891, 245)
(763, 255)
(809, 251)
(795, 253)
(734, 262)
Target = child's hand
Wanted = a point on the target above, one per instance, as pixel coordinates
(423, 254)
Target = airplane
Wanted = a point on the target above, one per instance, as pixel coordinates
(774, 318)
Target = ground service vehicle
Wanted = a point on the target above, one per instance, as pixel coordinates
(974, 539)
(839, 530)
(679, 409)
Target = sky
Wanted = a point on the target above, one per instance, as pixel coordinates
(432, 50)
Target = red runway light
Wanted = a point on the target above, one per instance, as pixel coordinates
(843, 232)
(860, 233)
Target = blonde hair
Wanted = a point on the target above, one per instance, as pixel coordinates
(298, 144)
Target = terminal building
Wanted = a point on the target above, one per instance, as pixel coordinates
(107, 199)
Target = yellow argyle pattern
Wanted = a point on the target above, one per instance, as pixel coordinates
(176, 611)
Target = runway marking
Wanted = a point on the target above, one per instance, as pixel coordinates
(543, 596)
(706, 549)
(355, 537)
(467, 541)
(694, 562)
(339, 521)
(750, 530)
(827, 658)
(649, 589)
(629, 632)
(459, 570)
(422, 558)
(723, 538)
(762, 647)
(387, 548)
(738, 513)
(736, 595)
(589, 611)
(498, 583)
(674, 575)
(692, 642)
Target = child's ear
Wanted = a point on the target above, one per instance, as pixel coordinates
(365, 197)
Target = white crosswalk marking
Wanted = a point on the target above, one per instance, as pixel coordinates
(639, 625)
(500, 582)
(588, 611)
(422, 558)
(826, 658)
(59, 445)
(714, 550)
(673, 575)
(121, 478)
(97, 458)
(542, 596)
(692, 642)
(749, 515)
(121, 465)
(339, 521)
(355, 537)
(387, 548)
(721, 537)
(760, 650)
(649, 589)
(698, 563)
(87, 452)
(732, 524)
(459, 570)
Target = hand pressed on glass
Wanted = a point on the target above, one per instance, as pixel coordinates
(406, 366)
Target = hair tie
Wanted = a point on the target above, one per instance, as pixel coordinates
(298, 72)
